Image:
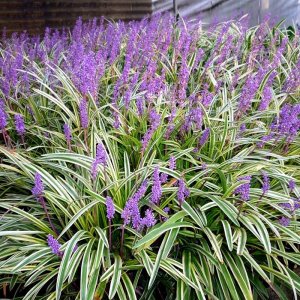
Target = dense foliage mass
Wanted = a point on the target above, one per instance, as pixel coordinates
(150, 160)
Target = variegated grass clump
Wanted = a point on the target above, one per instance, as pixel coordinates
(150, 160)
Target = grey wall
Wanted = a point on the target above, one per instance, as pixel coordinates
(211, 10)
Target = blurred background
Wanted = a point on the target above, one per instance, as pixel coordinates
(35, 15)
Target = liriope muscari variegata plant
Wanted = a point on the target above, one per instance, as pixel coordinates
(150, 160)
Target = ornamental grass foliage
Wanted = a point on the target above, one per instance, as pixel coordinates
(150, 160)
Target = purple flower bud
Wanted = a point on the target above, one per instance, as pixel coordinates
(140, 106)
(284, 221)
(38, 188)
(84, 118)
(67, 133)
(156, 188)
(110, 209)
(54, 245)
(242, 127)
(172, 166)
(166, 210)
(292, 184)
(183, 192)
(204, 137)
(117, 122)
(266, 183)
(244, 189)
(19, 123)
(154, 123)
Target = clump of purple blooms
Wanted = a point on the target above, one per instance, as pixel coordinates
(244, 189)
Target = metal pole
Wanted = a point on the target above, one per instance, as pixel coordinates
(175, 8)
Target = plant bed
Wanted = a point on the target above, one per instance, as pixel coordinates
(150, 160)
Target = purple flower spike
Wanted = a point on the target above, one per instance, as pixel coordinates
(244, 190)
(84, 118)
(266, 183)
(204, 137)
(54, 245)
(101, 158)
(183, 192)
(154, 123)
(284, 221)
(131, 210)
(266, 98)
(67, 133)
(149, 219)
(3, 117)
(156, 188)
(110, 209)
(38, 188)
(172, 163)
(19, 123)
(292, 184)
